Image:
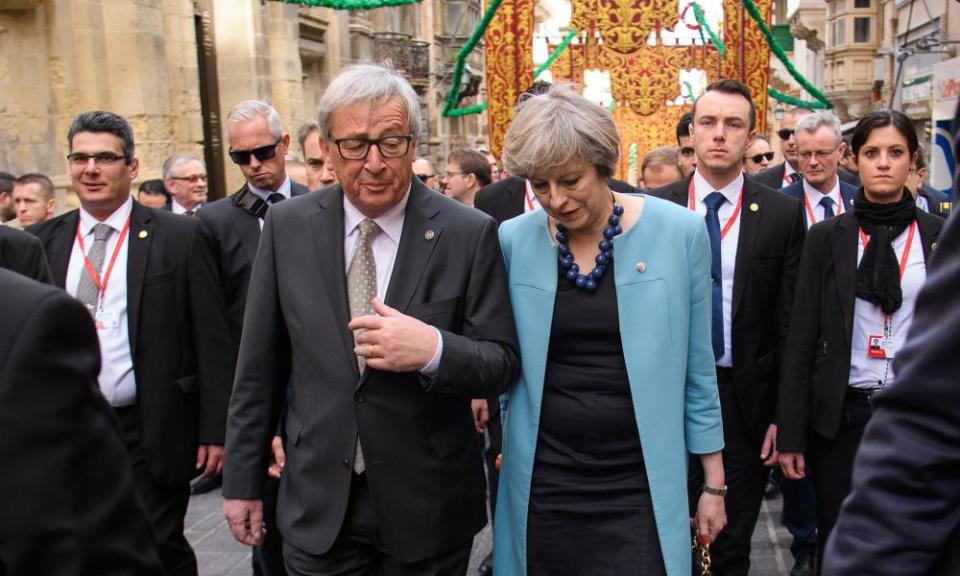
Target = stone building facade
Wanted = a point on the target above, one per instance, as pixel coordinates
(174, 68)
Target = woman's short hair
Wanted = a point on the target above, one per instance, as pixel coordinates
(368, 83)
(881, 119)
(556, 127)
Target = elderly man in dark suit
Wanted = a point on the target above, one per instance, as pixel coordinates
(756, 235)
(148, 279)
(23, 253)
(254, 132)
(70, 506)
(384, 306)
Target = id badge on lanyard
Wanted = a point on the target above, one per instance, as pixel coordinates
(884, 346)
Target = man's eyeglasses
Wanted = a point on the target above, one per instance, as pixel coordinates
(687, 151)
(758, 158)
(785, 134)
(262, 154)
(358, 148)
(820, 154)
(191, 179)
(100, 158)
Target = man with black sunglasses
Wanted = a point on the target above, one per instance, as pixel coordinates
(758, 156)
(258, 145)
(788, 171)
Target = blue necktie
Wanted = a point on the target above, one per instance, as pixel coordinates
(275, 197)
(713, 201)
(827, 203)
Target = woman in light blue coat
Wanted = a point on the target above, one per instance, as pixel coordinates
(611, 298)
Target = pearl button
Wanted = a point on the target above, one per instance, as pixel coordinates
(641, 267)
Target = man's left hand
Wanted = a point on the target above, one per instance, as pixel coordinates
(210, 458)
(768, 452)
(392, 341)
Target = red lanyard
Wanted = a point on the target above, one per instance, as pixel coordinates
(528, 196)
(810, 216)
(102, 284)
(906, 250)
(692, 204)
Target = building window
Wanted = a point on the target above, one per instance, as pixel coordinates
(861, 30)
(861, 3)
(840, 32)
(840, 5)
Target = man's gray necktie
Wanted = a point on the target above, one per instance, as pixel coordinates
(87, 291)
(361, 290)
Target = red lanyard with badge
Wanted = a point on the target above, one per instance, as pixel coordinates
(528, 196)
(885, 346)
(692, 204)
(100, 318)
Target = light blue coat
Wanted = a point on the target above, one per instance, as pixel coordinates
(662, 274)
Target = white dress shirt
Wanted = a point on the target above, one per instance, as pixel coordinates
(117, 382)
(866, 372)
(176, 208)
(384, 246)
(264, 195)
(922, 203)
(728, 248)
(814, 197)
(787, 171)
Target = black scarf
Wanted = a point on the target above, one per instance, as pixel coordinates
(878, 277)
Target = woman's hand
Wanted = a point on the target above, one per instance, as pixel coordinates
(710, 519)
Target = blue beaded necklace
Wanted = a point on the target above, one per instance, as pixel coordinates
(589, 281)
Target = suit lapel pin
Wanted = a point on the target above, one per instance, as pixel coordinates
(429, 234)
(142, 234)
(641, 267)
(754, 207)
(933, 246)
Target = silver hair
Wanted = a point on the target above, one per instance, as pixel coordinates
(368, 83)
(177, 159)
(557, 127)
(661, 156)
(812, 122)
(253, 109)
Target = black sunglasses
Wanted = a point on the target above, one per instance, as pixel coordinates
(262, 154)
(425, 177)
(784, 134)
(757, 158)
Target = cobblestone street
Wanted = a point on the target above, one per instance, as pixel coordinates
(220, 555)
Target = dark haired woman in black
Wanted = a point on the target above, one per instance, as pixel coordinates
(858, 280)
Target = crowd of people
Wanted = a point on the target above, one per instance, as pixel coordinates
(364, 349)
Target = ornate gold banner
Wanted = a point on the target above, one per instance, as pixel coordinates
(508, 63)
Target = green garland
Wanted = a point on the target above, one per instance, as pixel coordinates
(777, 49)
(702, 20)
(449, 105)
(689, 90)
(556, 53)
(788, 99)
(349, 4)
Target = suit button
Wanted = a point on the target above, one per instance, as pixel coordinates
(346, 462)
(359, 397)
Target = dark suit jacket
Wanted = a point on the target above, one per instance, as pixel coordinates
(504, 199)
(70, 507)
(768, 253)
(235, 234)
(938, 202)
(795, 191)
(21, 252)
(816, 364)
(772, 177)
(178, 332)
(906, 478)
(422, 460)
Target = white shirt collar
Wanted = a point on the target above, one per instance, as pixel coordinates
(390, 222)
(284, 189)
(787, 169)
(178, 208)
(815, 196)
(731, 191)
(115, 220)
